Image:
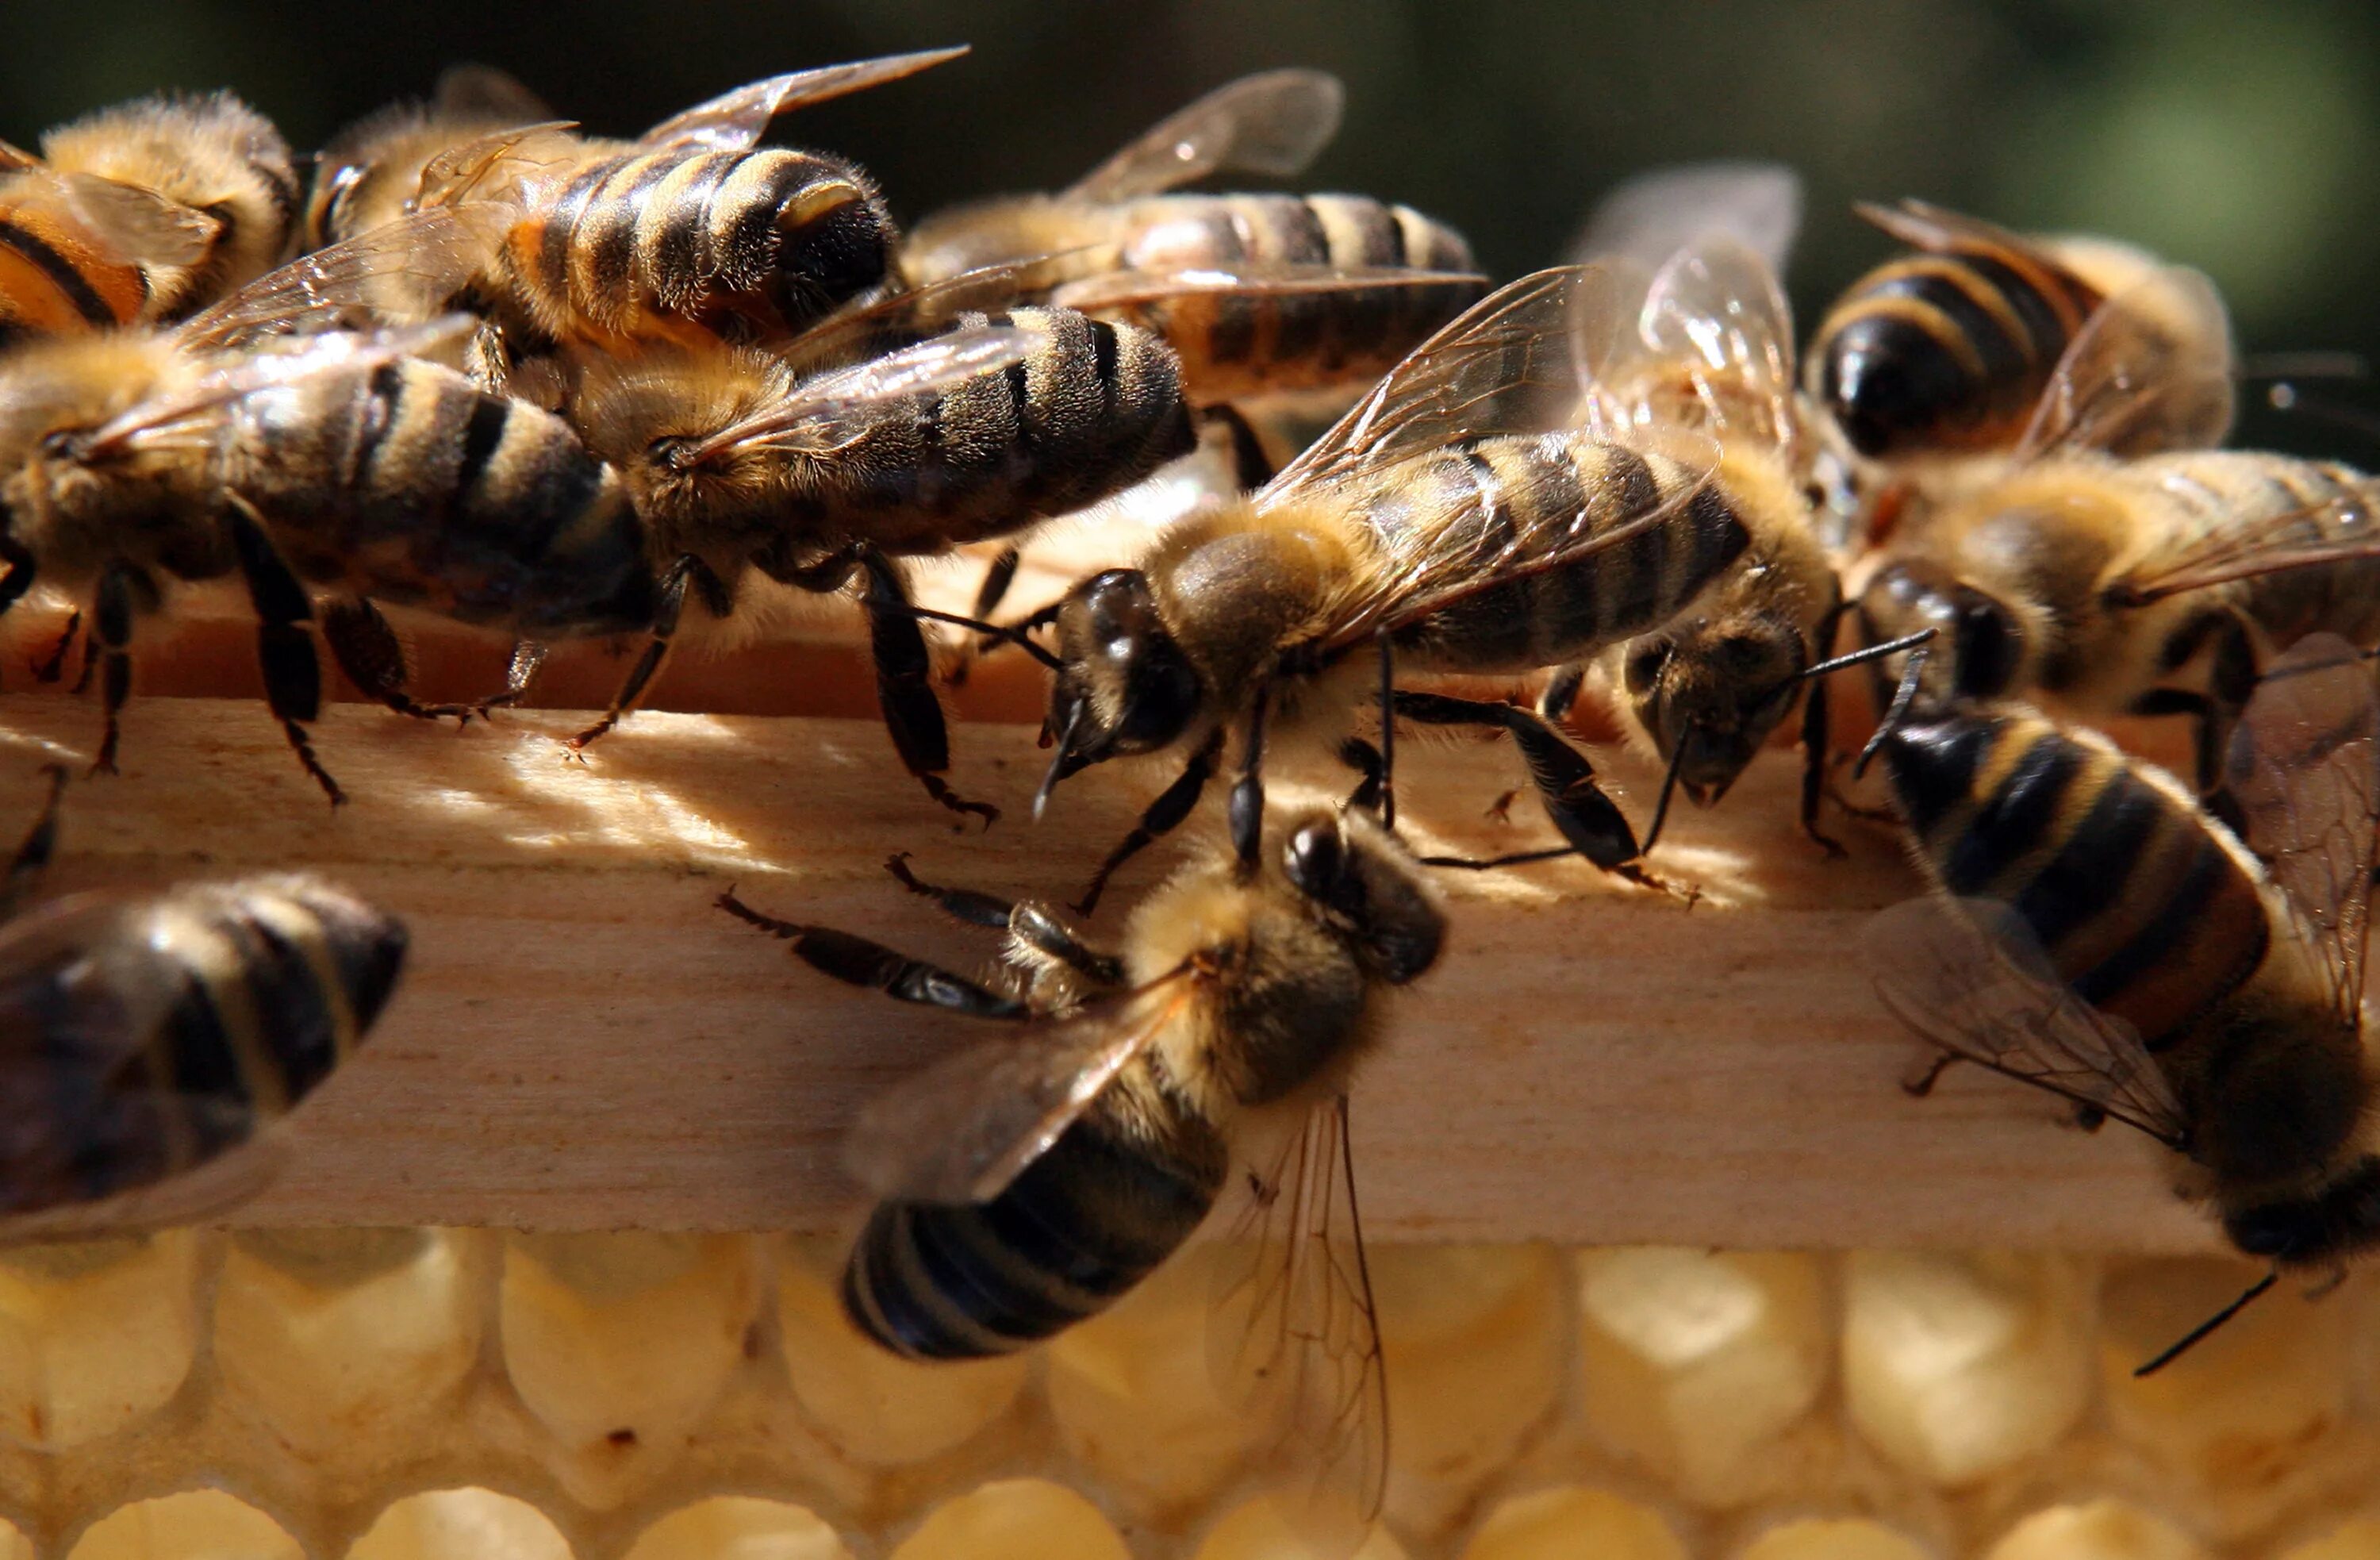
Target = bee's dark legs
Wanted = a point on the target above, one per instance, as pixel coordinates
(1371, 768)
(1565, 783)
(1251, 467)
(32, 857)
(369, 652)
(285, 649)
(1561, 692)
(688, 571)
(520, 674)
(1387, 803)
(1244, 813)
(110, 654)
(1815, 717)
(1160, 818)
(905, 686)
(51, 667)
(1028, 923)
(859, 962)
(987, 597)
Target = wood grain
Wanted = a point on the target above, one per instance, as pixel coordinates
(583, 1042)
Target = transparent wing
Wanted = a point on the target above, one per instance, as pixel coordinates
(13, 156)
(964, 1129)
(1651, 217)
(505, 163)
(734, 121)
(1271, 123)
(188, 408)
(401, 273)
(1922, 226)
(1968, 976)
(987, 289)
(1712, 347)
(1505, 365)
(828, 410)
(87, 1110)
(2153, 368)
(2305, 770)
(2245, 544)
(1295, 1343)
(1127, 289)
(472, 92)
(136, 223)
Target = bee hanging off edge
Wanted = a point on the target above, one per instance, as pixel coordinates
(2096, 933)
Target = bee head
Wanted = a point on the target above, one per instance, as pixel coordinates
(1978, 647)
(1368, 888)
(2340, 1220)
(1124, 685)
(1709, 693)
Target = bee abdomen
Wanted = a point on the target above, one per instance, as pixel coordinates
(1084, 1223)
(1947, 351)
(2136, 904)
(53, 283)
(272, 983)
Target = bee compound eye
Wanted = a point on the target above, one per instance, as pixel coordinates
(1645, 665)
(1314, 859)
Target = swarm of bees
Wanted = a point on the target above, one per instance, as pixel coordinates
(555, 386)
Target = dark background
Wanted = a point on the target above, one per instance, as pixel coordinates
(2243, 139)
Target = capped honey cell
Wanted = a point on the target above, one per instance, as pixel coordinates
(1014, 1519)
(1833, 1539)
(94, 1334)
(468, 1524)
(194, 1525)
(1569, 1520)
(738, 1528)
(2099, 1529)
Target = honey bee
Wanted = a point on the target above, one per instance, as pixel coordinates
(1424, 527)
(152, 1037)
(2098, 935)
(1957, 349)
(301, 462)
(739, 461)
(1030, 1185)
(691, 233)
(371, 173)
(1706, 341)
(1257, 293)
(219, 162)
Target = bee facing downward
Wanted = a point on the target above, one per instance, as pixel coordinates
(2098, 935)
(1029, 1184)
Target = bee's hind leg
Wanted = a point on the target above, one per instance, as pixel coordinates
(1032, 926)
(285, 650)
(857, 961)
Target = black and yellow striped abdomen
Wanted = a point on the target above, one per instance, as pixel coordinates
(1086, 1222)
(1094, 408)
(1235, 343)
(144, 1036)
(1506, 502)
(2138, 905)
(742, 244)
(1948, 350)
(58, 278)
(409, 483)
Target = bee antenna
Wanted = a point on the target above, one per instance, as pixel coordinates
(1902, 697)
(1058, 770)
(2190, 1338)
(1002, 632)
(1669, 787)
(1872, 653)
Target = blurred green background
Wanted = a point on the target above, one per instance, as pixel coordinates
(2243, 139)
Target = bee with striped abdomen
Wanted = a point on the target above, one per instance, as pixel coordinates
(149, 1039)
(217, 160)
(76, 251)
(690, 233)
(1257, 293)
(1424, 527)
(1953, 350)
(371, 173)
(1032, 1184)
(2097, 934)
(133, 461)
(738, 461)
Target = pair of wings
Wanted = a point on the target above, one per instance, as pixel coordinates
(134, 226)
(1295, 1340)
(1969, 976)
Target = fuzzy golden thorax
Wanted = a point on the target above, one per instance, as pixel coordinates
(213, 155)
(652, 415)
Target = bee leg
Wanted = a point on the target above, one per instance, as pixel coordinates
(1029, 925)
(987, 597)
(1565, 783)
(51, 667)
(859, 962)
(1251, 467)
(1369, 767)
(110, 655)
(1815, 713)
(688, 570)
(1244, 812)
(520, 674)
(905, 686)
(368, 650)
(1561, 692)
(285, 650)
(1160, 818)
(32, 857)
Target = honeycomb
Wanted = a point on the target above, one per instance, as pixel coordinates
(473, 1394)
